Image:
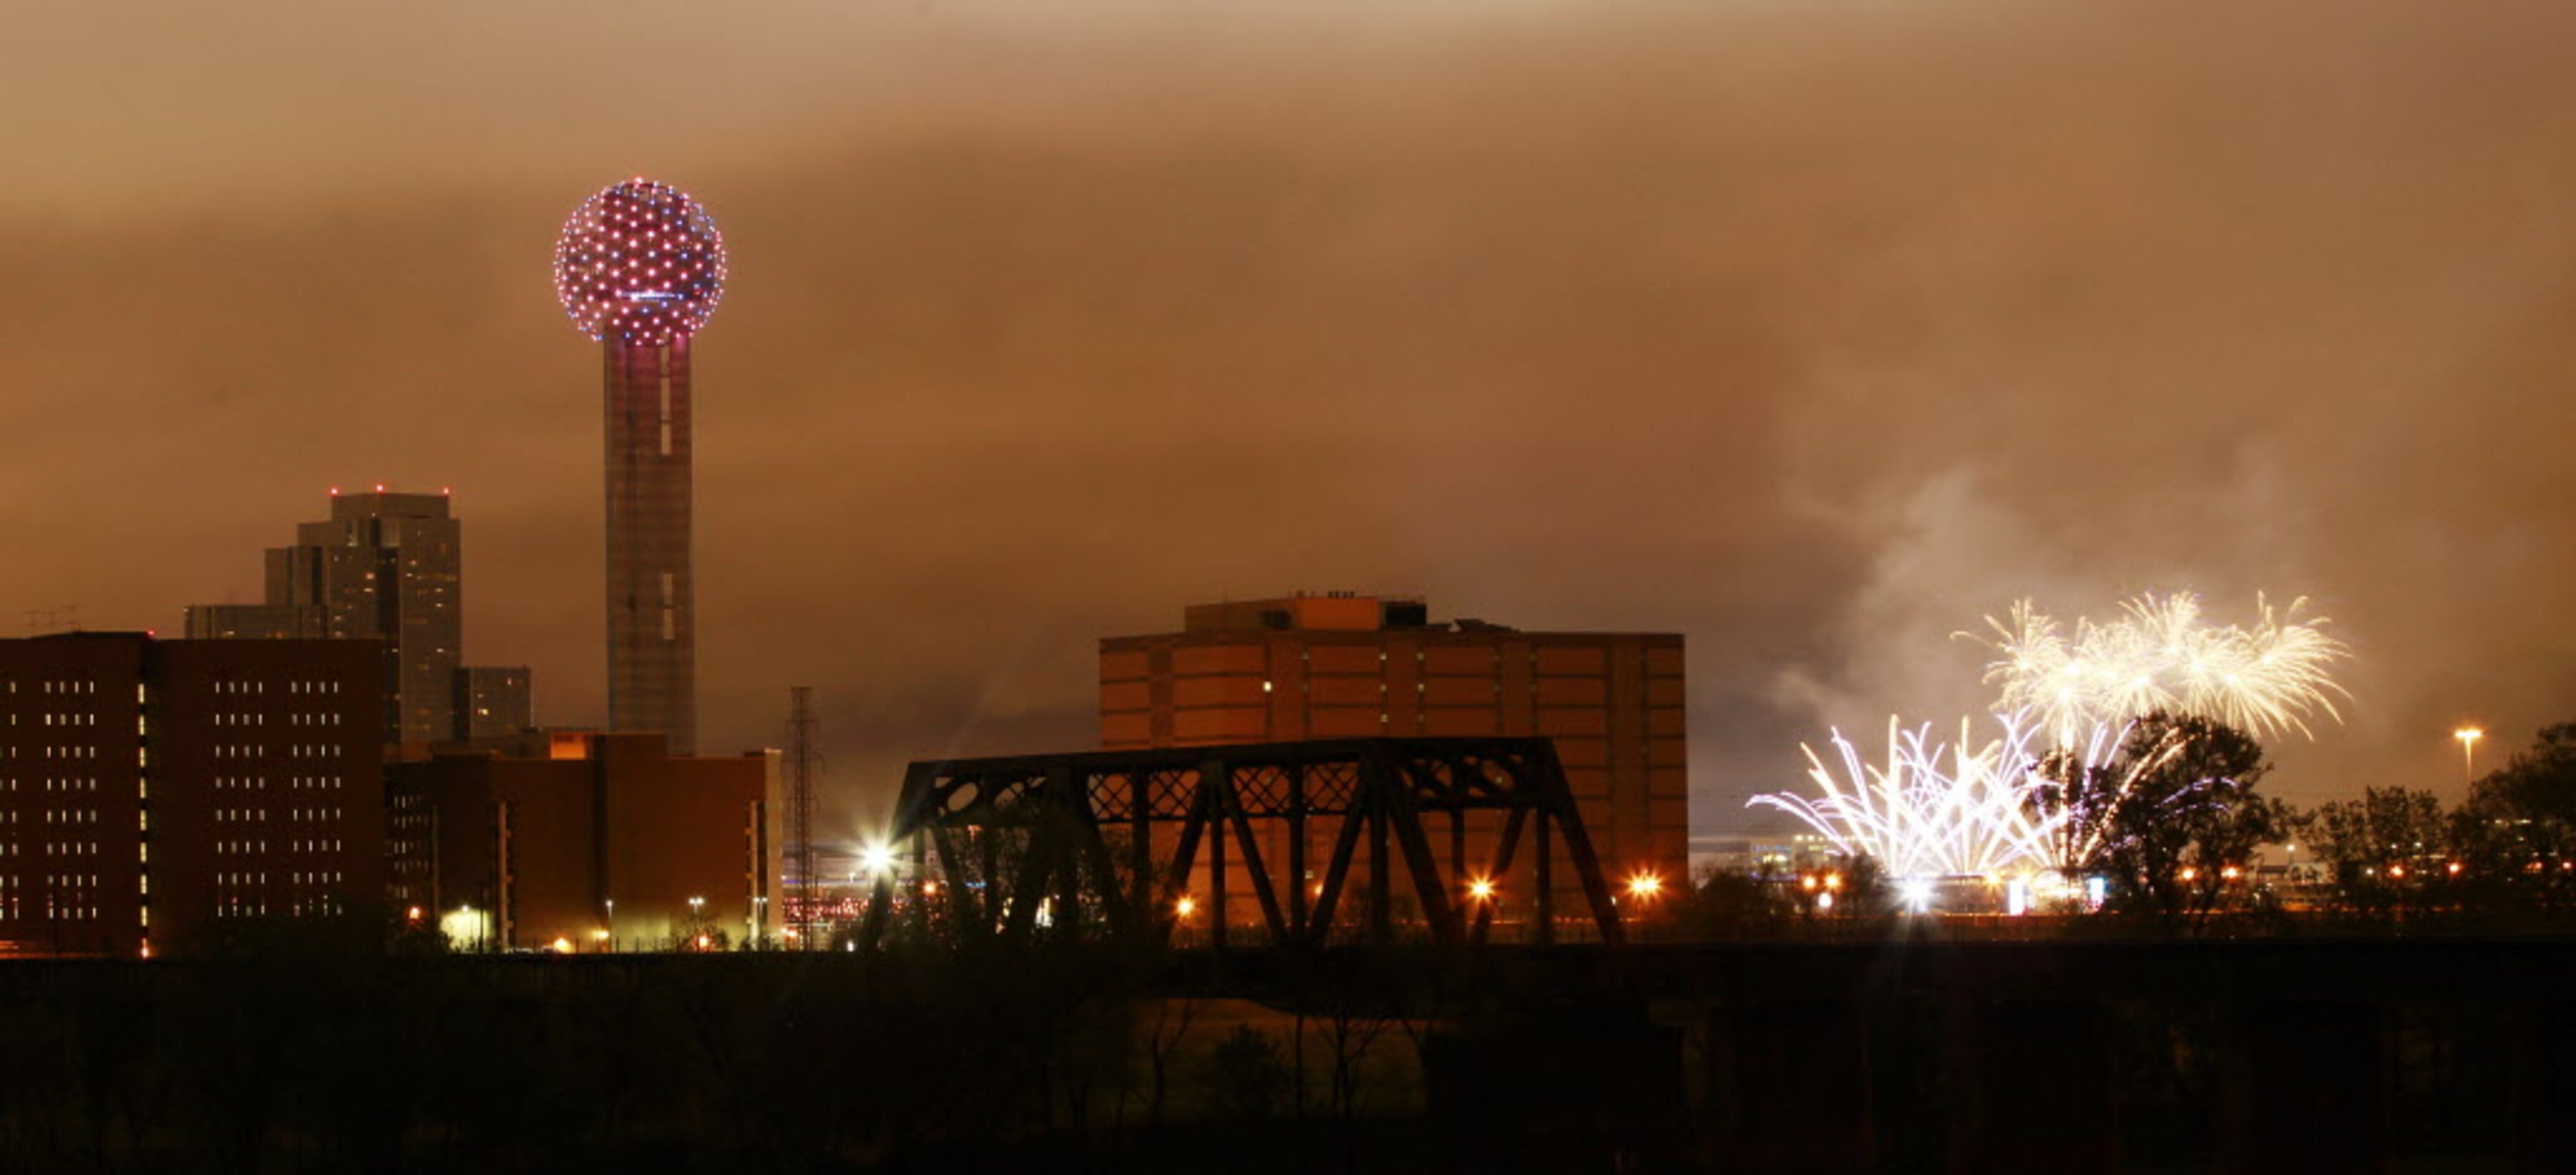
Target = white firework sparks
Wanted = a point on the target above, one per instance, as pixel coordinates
(2080, 813)
(1943, 809)
(2161, 656)
(1934, 809)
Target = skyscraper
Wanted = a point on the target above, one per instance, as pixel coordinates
(386, 567)
(493, 702)
(640, 267)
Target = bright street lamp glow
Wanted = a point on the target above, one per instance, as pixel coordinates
(876, 860)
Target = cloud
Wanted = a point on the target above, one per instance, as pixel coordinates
(1814, 332)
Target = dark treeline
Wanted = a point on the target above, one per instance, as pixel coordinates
(1900, 1055)
(1053, 1055)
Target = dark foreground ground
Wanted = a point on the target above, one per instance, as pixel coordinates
(2432, 1055)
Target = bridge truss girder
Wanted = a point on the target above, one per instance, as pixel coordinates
(1077, 834)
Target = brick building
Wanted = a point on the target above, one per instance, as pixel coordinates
(150, 790)
(596, 841)
(1345, 665)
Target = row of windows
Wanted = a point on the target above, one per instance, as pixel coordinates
(84, 783)
(248, 815)
(291, 751)
(69, 816)
(313, 687)
(293, 783)
(227, 847)
(68, 752)
(70, 848)
(239, 908)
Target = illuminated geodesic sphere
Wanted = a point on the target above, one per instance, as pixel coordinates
(640, 262)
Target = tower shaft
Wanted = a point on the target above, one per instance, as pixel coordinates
(652, 600)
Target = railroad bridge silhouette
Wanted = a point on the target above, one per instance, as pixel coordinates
(1106, 844)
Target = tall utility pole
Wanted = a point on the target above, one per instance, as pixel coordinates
(803, 764)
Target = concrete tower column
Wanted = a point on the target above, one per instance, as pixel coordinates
(652, 601)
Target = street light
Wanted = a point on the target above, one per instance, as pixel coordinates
(2468, 736)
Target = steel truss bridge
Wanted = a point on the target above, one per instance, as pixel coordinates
(1108, 844)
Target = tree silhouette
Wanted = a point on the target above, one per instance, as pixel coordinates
(2166, 818)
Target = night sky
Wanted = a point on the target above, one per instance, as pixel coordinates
(1813, 331)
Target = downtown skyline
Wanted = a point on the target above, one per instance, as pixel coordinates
(1814, 339)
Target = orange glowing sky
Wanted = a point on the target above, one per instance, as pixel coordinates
(1811, 330)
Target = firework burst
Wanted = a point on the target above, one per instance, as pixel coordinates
(2160, 655)
(1932, 809)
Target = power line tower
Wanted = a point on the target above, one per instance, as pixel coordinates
(803, 764)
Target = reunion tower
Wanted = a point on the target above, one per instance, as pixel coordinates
(640, 268)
